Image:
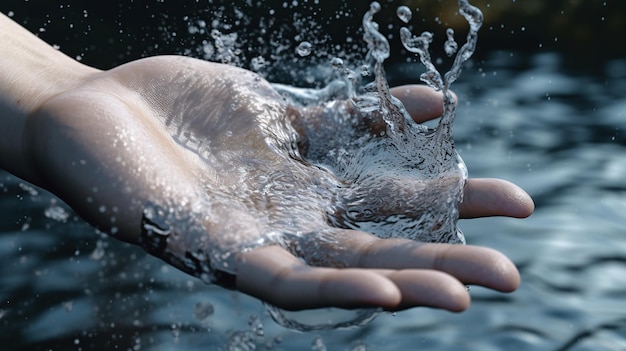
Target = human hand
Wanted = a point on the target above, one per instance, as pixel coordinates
(199, 164)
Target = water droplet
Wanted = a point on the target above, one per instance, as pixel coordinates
(304, 49)
(258, 63)
(450, 46)
(365, 70)
(336, 63)
(404, 13)
(374, 7)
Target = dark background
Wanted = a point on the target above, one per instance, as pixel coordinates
(107, 33)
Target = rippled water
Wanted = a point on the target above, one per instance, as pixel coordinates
(554, 129)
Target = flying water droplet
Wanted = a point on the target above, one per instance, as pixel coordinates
(304, 49)
(258, 63)
(336, 63)
(404, 13)
(450, 46)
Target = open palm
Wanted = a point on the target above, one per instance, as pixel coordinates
(202, 165)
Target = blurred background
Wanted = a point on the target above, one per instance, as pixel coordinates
(105, 34)
(542, 104)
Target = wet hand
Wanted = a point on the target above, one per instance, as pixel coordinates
(205, 152)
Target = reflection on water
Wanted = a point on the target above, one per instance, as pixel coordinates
(555, 130)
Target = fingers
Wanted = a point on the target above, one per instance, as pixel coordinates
(469, 264)
(421, 102)
(420, 287)
(390, 273)
(495, 197)
(274, 275)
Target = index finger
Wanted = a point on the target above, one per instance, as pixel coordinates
(494, 197)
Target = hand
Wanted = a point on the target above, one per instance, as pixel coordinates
(172, 132)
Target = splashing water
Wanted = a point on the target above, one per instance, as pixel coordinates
(409, 161)
(396, 179)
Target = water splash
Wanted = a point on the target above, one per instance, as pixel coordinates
(398, 179)
(226, 47)
(409, 163)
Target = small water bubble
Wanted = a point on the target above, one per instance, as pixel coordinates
(304, 49)
(336, 63)
(404, 13)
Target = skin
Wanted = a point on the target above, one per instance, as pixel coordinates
(107, 140)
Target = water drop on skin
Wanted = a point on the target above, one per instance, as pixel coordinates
(404, 14)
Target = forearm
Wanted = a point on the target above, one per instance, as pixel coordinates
(31, 72)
